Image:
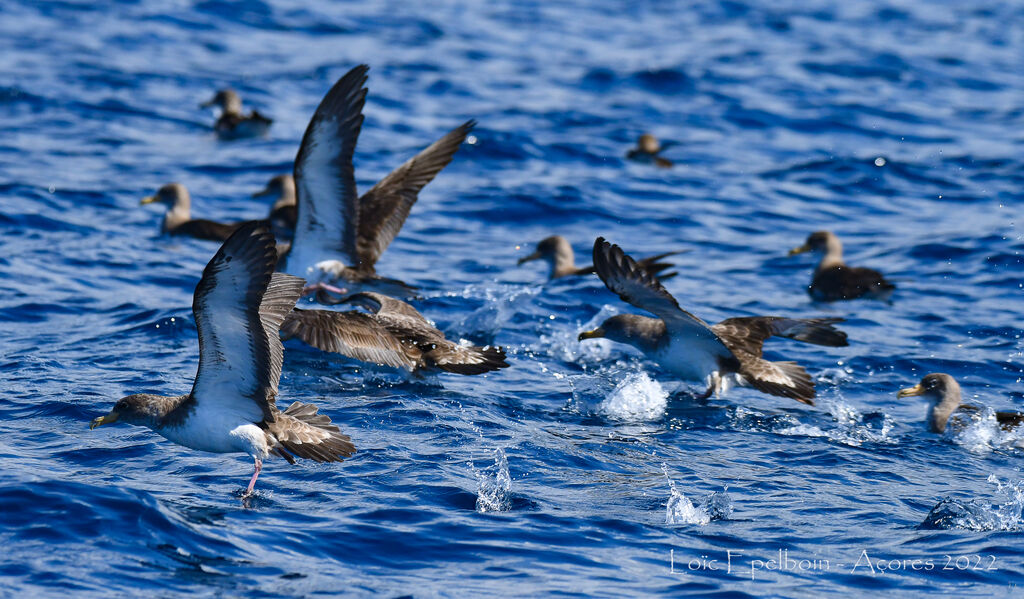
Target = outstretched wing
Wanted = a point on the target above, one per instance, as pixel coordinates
(236, 362)
(352, 334)
(624, 277)
(328, 206)
(383, 209)
(749, 333)
(278, 301)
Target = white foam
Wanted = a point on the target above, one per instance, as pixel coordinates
(636, 397)
(983, 434)
(680, 510)
(494, 487)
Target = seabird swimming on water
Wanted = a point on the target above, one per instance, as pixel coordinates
(283, 214)
(647, 149)
(834, 280)
(557, 252)
(690, 348)
(340, 235)
(179, 221)
(239, 305)
(233, 123)
(392, 334)
(944, 393)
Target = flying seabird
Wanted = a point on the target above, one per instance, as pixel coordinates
(340, 235)
(239, 305)
(393, 334)
(690, 348)
(233, 123)
(834, 280)
(179, 221)
(283, 213)
(944, 393)
(647, 149)
(557, 252)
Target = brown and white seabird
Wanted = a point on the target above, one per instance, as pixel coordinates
(179, 221)
(647, 149)
(393, 334)
(283, 213)
(557, 252)
(239, 305)
(692, 349)
(944, 393)
(833, 280)
(233, 123)
(341, 235)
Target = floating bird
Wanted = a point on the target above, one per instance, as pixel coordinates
(392, 334)
(647, 149)
(340, 235)
(557, 252)
(284, 213)
(690, 348)
(834, 280)
(944, 393)
(239, 305)
(233, 123)
(179, 221)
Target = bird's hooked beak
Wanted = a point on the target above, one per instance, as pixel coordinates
(149, 200)
(800, 250)
(209, 102)
(266, 191)
(108, 419)
(595, 334)
(912, 391)
(525, 259)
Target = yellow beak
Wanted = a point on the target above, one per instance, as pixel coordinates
(799, 250)
(911, 392)
(595, 334)
(108, 419)
(533, 256)
(149, 200)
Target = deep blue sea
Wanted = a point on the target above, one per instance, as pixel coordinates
(584, 469)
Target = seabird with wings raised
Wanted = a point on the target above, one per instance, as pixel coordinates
(691, 348)
(340, 235)
(393, 333)
(239, 305)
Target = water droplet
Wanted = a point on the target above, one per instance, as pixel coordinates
(879, 161)
(52, 189)
(471, 140)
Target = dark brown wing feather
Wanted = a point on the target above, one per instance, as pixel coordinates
(302, 432)
(352, 334)
(207, 229)
(845, 282)
(1009, 420)
(750, 332)
(782, 379)
(384, 208)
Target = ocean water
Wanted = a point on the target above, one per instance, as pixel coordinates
(582, 470)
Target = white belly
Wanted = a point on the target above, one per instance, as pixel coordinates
(219, 432)
(687, 361)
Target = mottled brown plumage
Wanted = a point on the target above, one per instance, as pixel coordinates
(239, 305)
(692, 349)
(340, 235)
(392, 334)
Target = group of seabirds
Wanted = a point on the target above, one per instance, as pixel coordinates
(322, 239)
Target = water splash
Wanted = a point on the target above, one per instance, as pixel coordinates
(976, 515)
(563, 343)
(680, 510)
(494, 486)
(636, 397)
(982, 434)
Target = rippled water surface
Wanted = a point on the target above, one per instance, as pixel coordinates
(582, 469)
